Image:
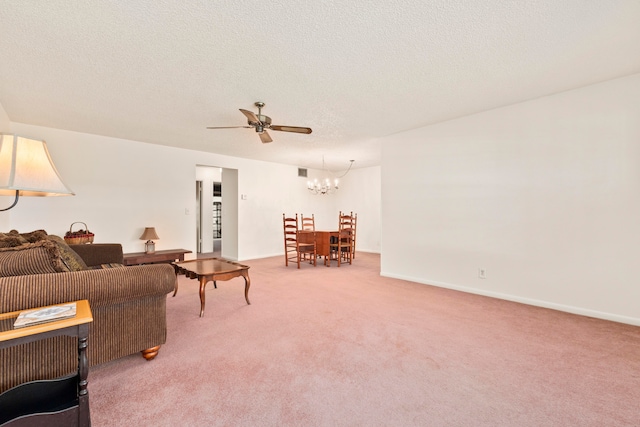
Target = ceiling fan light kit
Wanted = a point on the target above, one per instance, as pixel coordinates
(261, 123)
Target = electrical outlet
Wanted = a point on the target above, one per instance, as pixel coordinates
(482, 273)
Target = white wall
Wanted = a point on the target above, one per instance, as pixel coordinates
(231, 214)
(545, 195)
(360, 193)
(5, 127)
(122, 186)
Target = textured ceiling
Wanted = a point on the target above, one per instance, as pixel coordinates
(160, 71)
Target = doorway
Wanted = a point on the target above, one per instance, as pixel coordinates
(216, 212)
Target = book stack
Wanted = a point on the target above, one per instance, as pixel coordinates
(44, 315)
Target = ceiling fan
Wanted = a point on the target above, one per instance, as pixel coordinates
(261, 123)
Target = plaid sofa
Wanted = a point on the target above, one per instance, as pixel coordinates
(128, 306)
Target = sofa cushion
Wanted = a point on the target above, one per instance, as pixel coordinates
(31, 258)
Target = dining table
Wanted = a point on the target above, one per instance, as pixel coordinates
(322, 239)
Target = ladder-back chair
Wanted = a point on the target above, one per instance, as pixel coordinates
(342, 247)
(354, 220)
(350, 221)
(296, 242)
(307, 223)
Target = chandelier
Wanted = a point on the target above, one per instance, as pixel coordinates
(326, 185)
(322, 187)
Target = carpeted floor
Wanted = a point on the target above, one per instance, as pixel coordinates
(345, 347)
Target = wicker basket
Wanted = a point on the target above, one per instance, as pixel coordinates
(78, 237)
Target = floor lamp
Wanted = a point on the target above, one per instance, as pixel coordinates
(26, 169)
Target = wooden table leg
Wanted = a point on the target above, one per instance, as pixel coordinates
(83, 371)
(247, 284)
(203, 283)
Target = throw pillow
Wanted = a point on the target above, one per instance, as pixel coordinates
(33, 236)
(105, 266)
(14, 238)
(70, 258)
(11, 239)
(31, 258)
(6, 240)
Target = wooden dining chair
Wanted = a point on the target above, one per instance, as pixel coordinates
(350, 221)
(342, 246)
(297, 242)
(307, 223)
(353, 234)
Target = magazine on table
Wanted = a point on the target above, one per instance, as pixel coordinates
(44, 315)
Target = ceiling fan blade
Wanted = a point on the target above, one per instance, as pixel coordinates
(250, 115)
(228, 127)
(291, 129)
(264, 137)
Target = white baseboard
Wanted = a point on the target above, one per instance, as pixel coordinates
(529, 301)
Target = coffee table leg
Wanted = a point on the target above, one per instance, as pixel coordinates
(203, 283)
(247, 284)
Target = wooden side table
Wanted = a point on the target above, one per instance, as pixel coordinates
(58, 402)
(165, 256)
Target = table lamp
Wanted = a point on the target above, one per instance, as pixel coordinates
(149, 234)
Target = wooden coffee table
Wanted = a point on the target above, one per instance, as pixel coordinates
(211, 270)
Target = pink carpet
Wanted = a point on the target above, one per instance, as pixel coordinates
(345, 347)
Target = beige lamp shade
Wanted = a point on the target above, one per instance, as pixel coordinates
(149, 233)
(26, 168)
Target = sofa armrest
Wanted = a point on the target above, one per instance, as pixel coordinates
(99, 253)
(101, 287)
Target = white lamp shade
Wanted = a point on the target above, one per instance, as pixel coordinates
(25, 165)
